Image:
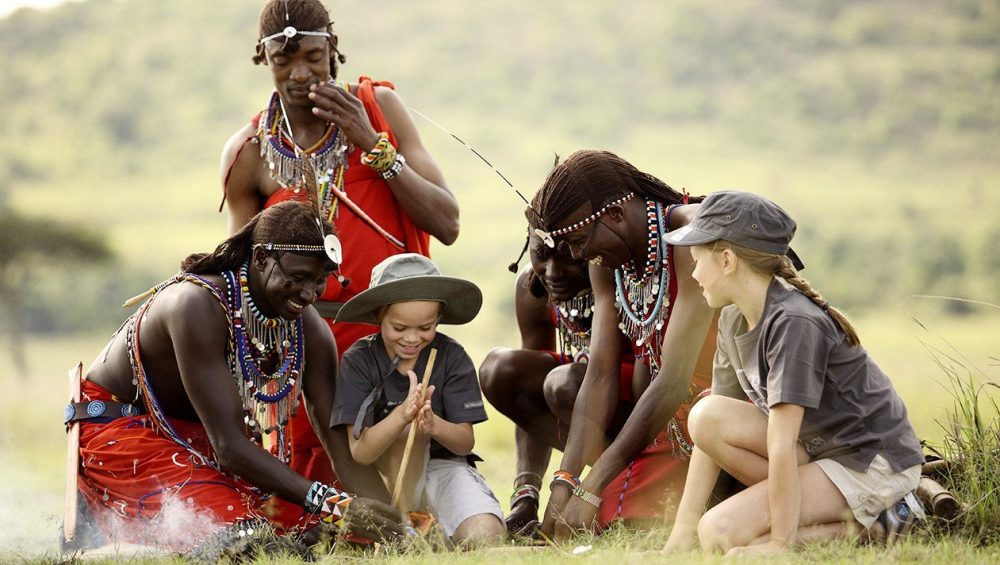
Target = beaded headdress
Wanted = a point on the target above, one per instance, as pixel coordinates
(289, 32)
(549, 236)
(331, 246)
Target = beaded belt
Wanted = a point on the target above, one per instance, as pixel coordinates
(105, 410)
(328, 309)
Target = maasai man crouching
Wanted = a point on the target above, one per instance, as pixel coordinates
(188, 406)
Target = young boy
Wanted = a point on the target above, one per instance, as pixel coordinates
(378, 395)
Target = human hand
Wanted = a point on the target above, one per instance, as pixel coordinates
(558, 498)
(411, 406)
(345, 110)
(578, 515)
(374, 519)
(426, 419)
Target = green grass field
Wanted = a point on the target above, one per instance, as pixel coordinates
(32, 441)
(870, 122)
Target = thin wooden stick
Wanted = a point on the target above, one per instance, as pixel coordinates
(401, 475)
(72, 459)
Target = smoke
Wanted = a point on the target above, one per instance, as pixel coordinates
(179, 526)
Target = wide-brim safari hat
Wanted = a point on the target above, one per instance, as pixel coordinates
(408, 277)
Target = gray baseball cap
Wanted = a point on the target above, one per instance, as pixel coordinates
(742, 218)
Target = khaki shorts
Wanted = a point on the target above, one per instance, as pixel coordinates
(874, 490)
(453, 491)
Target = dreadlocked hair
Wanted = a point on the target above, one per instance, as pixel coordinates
(305, 15)
(289, 223)
(598, 178)
(781, 266)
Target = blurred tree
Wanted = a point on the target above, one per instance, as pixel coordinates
(26, 244)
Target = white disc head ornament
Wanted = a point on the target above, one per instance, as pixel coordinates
(334, 249)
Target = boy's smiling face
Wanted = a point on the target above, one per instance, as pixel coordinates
(407, 328)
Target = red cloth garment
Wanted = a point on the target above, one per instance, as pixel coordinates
(133, 472)
(363, 248)
(654, 478)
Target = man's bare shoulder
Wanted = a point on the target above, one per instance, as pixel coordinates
(235, 143)
(187, 303)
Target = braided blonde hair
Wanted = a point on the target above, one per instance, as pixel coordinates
(781, 266)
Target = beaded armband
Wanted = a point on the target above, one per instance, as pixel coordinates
(326, 501)
(395, 168)
(564, 477)
(587, 496)
(382, 157)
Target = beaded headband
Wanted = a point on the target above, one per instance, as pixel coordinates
(331, 246)
(549, 237)
(290, 32)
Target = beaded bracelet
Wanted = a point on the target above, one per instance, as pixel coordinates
(566, 478)
(328, 502)
(395, 168)
(382, 156)
(587, 496)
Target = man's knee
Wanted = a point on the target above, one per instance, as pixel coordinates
(562, 385)
(480, 529)
(496, 372)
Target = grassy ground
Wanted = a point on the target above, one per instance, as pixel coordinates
(32, 442)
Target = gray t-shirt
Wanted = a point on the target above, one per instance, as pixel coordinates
(798, 354)
(365, 364)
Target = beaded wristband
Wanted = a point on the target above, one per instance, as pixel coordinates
(395, 168)
(328, 502)
(335, 508)
(382, 156)
(566, 478)
(369, 157)
(587, 496)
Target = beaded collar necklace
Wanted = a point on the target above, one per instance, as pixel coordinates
(643, 302)
(573, 323)
(269, 400)
(287, 161)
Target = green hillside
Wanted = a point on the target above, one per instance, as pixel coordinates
(877, 124)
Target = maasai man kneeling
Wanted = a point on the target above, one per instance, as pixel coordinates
(184, 414)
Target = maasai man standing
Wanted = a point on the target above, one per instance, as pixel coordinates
(189, 404)
(378, 184)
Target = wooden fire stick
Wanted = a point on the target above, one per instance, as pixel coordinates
(72, 459)
(401, 475)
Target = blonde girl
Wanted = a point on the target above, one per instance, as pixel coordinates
(800, 413)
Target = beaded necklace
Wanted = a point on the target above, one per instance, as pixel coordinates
(643, 302)
(269, 400)
(287, 162)
(573, 323)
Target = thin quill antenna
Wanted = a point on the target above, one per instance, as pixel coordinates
(474, 152)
